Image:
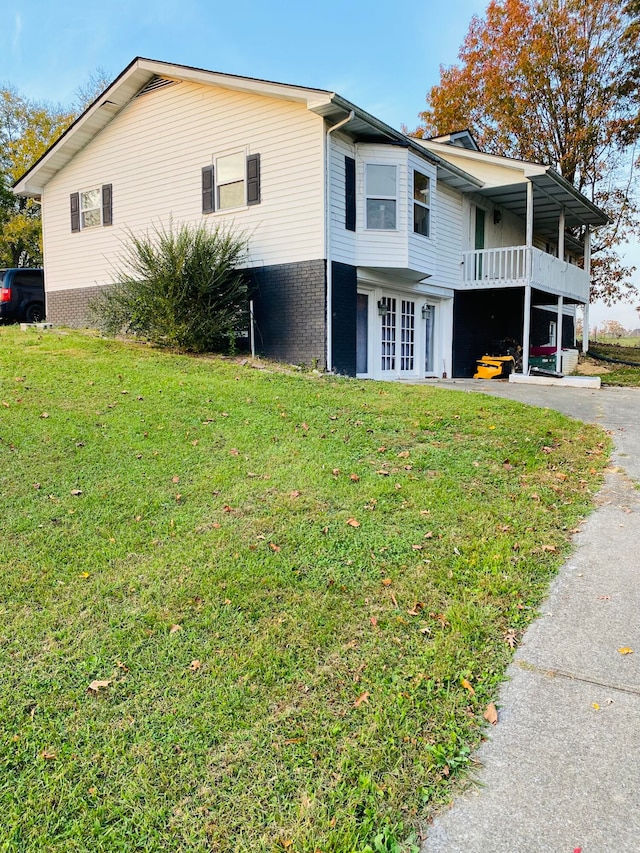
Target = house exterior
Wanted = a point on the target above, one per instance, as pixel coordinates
(370, 253)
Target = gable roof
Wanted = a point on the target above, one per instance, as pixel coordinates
(143, 74)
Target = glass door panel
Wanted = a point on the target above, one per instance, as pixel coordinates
(407, 336)
(388, 334)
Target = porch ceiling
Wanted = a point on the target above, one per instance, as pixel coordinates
(551, 193)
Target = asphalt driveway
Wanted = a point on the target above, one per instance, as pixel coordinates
(561, 770)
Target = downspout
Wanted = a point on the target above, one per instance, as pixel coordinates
(327, 234)
(587, 269)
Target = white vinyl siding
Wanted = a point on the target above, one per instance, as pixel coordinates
(448, 235)
(343, 242)
(153, 154)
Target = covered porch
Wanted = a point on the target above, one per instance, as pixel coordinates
(522, 320)
(513, 284)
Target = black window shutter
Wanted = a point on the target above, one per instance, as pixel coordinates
(107, 204)
(75, 211)
(208, 190)
(253, 179)
(350, 193)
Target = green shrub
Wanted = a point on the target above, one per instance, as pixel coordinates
(178, 287)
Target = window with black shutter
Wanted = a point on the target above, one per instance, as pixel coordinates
(232, 181)
(349, 193)
(253, 179)
(91, 208)
(208, 190)
(74, 198)
(107, 205)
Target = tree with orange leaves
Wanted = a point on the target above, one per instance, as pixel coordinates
(547, 81)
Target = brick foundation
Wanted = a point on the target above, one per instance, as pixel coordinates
(290, 312)
(71, 307)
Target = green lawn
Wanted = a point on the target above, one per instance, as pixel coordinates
(281, 582)
(622, 351)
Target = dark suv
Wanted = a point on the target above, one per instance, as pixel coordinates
(21, 295)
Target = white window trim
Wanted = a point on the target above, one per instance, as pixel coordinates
(219, 156)
(415, 201)
(82, 210)
(381, 197)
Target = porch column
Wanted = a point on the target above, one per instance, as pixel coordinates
(529, 232)
(559, 335)
(561, 235)
(587, 269)
(526, 329)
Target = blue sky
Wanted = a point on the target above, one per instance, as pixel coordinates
(382, 57)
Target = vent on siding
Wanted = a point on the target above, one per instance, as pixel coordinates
(156, 82)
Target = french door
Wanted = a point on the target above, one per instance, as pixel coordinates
(397, 337)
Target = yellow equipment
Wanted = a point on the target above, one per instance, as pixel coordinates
(494, 366)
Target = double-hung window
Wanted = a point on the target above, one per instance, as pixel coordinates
(421, 203)
(382, 196)
(232, 181)
(92, 208)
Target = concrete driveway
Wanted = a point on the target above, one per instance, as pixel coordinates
(561, 770)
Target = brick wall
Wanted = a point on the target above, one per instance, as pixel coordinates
(290, 312)
(71, 307)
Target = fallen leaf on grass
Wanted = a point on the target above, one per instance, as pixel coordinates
(352, 522)
(195, 665)
(386, 581)
(274, 547)
(354, 478)
(234, 452)
(364, 697)
(491, 714)
(374, 621)
(175, 479)
(551, 548)
(511, 638)
(44, 415)
(48, 754)
(84, 575)
(404, 454)
(76, 492)
(175, 628)
(625, 650)
(295, 494)
(467, 686)
(97, 685)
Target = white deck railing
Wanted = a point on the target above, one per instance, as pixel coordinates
(519, 265)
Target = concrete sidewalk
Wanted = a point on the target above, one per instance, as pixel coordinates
(561, 770)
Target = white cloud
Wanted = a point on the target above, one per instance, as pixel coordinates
(17, 32)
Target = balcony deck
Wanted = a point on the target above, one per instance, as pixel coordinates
(517, 266)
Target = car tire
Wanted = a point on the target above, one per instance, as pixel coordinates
(35, 313)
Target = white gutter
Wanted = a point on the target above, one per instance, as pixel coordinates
(327, 233)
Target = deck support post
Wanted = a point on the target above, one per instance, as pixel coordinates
(559, 336)
(587, 269)
(526, 329)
